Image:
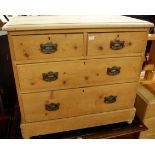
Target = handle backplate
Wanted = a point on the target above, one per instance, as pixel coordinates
(48, 48)
(113, 70)
(117, 44)
(50, 76)
(52, 106)
(110, 99)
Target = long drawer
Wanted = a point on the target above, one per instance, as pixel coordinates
(117, 43)
(80, 73)
(76, 102)
(47, 46)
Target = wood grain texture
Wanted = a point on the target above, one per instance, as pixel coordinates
(81, 30)
(73, 74)
(72, 123)
(76, 102)
(145, 103)
(81, 76)
(61, 22)
(145, 110)
(99, 43)
(28, 47)
(141, 108)
(16, 78)
(78, 58)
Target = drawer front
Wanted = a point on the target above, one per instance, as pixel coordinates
(73, 74)
(75, 102)
(116, 43)
(47, 46)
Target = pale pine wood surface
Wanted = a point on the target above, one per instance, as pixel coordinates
(72, 123)
(99, 43)
(151, 36)
(146, 95)
(16, 78)
(145, 110)
(28, 47)
(151, 88)
(73, 74)
(141, 107)
(80, 30)
(147, 136)
(76, 102)
(150, 122)
(145, 103)
(71, 45)
(77, 68)
(59, 22)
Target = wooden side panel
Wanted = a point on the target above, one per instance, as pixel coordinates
(150, 123)
(76, 102)
(28, 47)
(99, 43)
(16, 78)
(151, 88)
(144, 110)
(141, 108)
(80, 73)
(52, 126)
(145, 103)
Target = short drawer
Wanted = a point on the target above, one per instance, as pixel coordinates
(79, 73)
(75, 102)
(117, 43)
(47, 46)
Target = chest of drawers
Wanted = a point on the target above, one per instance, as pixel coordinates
(75, 72)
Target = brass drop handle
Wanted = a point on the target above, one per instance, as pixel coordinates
(48, 48)
(117, 44)
(113, 70)
(52, 106)
(50, 76)
(110, 99)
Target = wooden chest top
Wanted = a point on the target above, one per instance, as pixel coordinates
(64, 22)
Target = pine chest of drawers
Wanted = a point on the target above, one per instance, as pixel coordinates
(74, 72)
